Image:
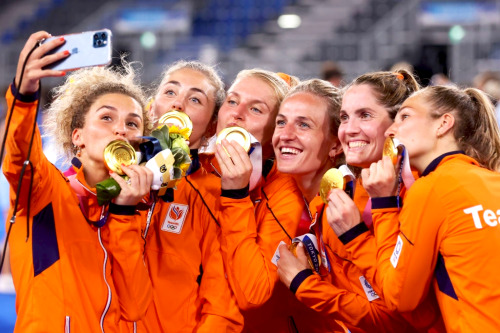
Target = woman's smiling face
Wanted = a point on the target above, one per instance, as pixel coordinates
(302, 138)
(363, 122)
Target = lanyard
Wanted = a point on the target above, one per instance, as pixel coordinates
(325, 267)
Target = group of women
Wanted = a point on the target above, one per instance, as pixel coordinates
(216, 257)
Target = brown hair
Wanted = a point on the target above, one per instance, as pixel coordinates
(476, 130)
(326, 91)
(80, 90)
(391, 88)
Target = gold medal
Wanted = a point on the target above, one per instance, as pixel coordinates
(237, 134)
(119, 152)
(177, 118)
(391, 149)
(333, 178)
(293, 249)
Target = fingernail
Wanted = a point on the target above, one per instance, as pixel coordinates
(63, 73)
(61, 39)
(66, 52)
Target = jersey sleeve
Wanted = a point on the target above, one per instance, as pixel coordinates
(251, 240)
(367, 247)
(348, 307)
(407, 248)
(17, 146)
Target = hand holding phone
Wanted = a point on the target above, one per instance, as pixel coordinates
(91, 48)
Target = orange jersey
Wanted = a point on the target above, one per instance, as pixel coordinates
(252, 228)
(449, 236)
(69, 274)
(344, 293)
(361, 248)
(190, 289)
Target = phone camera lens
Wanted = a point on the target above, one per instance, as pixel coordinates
(96, 36)
(103, 35)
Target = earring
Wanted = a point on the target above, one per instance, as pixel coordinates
(77, 150)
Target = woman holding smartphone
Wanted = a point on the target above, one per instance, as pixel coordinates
(75, 264)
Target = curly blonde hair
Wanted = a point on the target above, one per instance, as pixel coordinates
(72, 101)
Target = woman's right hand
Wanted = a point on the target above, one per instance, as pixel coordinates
(136, 188)
(235, 164)
(380, 179)
(34, 71)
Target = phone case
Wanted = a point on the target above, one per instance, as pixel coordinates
(91, 48)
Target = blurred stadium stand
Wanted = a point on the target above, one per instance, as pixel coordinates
(360, 35)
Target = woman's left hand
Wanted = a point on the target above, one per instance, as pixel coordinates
(289, 265)
(138, 185)
(342, 213)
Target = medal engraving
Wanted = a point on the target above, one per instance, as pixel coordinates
(119, 152)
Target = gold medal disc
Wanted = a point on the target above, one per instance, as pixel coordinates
(237, 134)
(119, 152)
(333, 178)
(391, 150)
(176, 118)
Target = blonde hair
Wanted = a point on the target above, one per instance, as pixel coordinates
(391, 88)
(278, 84)
(208, 71)
(72, 101)
(476, 130)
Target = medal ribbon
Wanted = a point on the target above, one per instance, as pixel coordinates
(325, 264)
(149, 148)
(82, 195)
(311, 247)
(305, 220)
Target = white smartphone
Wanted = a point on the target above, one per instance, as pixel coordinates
(90, 48)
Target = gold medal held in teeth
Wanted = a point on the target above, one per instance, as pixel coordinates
(391, 149)
(237, 134)
(119, 152)
(177, 118)
(333, 178)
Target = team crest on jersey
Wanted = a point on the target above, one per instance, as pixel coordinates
(174, 221)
